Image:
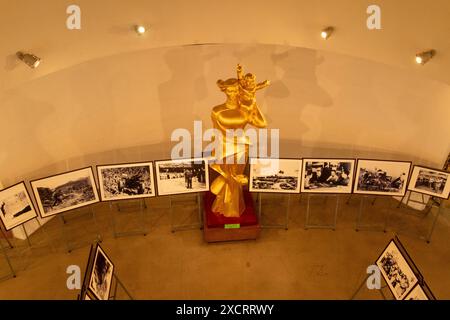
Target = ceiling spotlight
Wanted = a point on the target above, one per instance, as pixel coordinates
(30, 59)
(424, 57)
(140, 29)
(326, 33)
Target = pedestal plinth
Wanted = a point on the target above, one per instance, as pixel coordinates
(219, 228)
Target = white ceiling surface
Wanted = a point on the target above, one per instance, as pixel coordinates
(408, 26)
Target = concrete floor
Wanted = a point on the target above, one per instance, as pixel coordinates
(293, 264)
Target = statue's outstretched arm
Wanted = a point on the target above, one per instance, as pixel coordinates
(262, 85)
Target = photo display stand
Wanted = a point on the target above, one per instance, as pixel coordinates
(176, 203)
(133, 205)
(429, 205)
(399, 274)
(87, 292)
(11, 273)
(309, 210)
(6, 238)
(286, 204)
(364, 201)
(70, 217)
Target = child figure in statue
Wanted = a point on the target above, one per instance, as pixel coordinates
(239, 110)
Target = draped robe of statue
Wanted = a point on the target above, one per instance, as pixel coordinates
(239, 110)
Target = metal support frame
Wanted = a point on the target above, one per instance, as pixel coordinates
(361, 286)
(358, 225)
(183, 227)
(308, 225)
(65, 221)
(117, 283)
(12, 274)
(432, 203)
(141, 207)
(6, 238)
(287, 204)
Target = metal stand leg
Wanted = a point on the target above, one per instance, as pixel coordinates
(184, 227)
(98, 237)
(141, 231)
(6, 238)
(12, 274)
(118, 282)
(332, 226)
(433, 224)
(274, 226)
(359, 226)
(26, 235)
(360, 287)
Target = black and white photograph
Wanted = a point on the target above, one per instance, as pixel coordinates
(126, 181)
(327, 175)
(429, 181)
(16, 207)
(275, 175)
(64, 192)
(182, 176)
(418, 293)
(101, 276)
(396, 271)
(382, 177)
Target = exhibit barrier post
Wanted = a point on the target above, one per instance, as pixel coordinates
(308, 224)
(64, 219)
(184, 227)
(364, 282)
(141, 211)
(287, 204)
(12, 274)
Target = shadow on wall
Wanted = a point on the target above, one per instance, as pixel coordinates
(297, 68)
(186, 87)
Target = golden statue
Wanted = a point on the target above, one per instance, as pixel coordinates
(239, 110)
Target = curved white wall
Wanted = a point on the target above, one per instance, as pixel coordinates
(124, 107)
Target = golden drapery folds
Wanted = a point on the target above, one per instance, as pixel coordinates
(239, 110)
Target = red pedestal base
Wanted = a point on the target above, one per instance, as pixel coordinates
(214, 224)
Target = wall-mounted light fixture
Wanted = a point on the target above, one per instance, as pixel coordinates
(424, 57)
(140, 29)
(30, 59)
(326, 33)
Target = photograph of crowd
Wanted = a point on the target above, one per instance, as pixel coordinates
(16, 207)
(381, 177)
(101, 275)
(65, 191)
(396, 271)
(430, 181)
(275, 175)
(182, 176)
(327, 175)
(126, 181)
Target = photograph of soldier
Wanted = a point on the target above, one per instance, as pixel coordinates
(181, 176)
(396, 271)
(382, 177)
(328, 175)
(124, 181)
(275, 175)
(65, 192)
(15, 206)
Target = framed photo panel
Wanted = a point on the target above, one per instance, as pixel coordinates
(275, 175)
(327, 175)
(100, 274)
(381, 177)
(16, 207)
(420, 293)
(429, 181)
(64, 192)
(182, 176)
(126, 181)
(396, 271)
